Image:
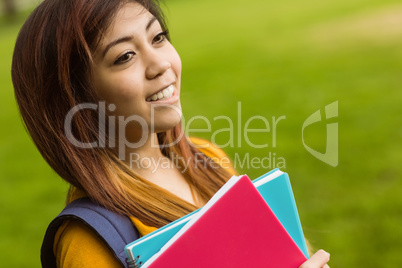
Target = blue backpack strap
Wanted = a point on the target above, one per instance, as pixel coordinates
(114, 229)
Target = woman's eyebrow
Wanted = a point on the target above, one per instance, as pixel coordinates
(150, 22)
(116, 42)
(126, 38)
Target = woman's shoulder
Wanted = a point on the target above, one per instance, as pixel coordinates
(214, 152)
(208, 148)
(76, 245)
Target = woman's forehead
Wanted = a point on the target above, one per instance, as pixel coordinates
(132, 19)
(130, 14)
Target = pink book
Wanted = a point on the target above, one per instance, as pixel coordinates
(236, 228)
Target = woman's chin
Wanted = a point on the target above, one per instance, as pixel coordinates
(166, 124)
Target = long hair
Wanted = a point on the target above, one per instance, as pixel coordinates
(50, 72)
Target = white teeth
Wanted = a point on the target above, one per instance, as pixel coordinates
(163, 94)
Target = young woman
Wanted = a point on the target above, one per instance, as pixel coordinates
(98, 86)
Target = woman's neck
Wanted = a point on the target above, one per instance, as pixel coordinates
(144, 155)
(149, 162)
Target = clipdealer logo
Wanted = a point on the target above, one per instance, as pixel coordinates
(330, 156)
(112, 134)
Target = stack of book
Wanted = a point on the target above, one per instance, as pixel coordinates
(245, 224)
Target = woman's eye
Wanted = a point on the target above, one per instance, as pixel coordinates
(159, 38)
(125, 58)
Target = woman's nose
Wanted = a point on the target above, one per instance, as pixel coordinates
(156, 65)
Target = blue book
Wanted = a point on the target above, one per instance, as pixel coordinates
(276, 190)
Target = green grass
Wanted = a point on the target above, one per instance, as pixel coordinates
(286, 58)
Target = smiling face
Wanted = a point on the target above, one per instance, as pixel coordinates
(138, 70)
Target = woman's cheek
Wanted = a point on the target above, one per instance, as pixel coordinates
(122, 88)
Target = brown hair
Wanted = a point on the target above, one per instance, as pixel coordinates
(50, 70)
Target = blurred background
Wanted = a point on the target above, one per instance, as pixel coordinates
(277, 58)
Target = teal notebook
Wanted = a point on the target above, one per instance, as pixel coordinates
(276, 190)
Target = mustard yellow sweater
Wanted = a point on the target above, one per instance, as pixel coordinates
(77, 246)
